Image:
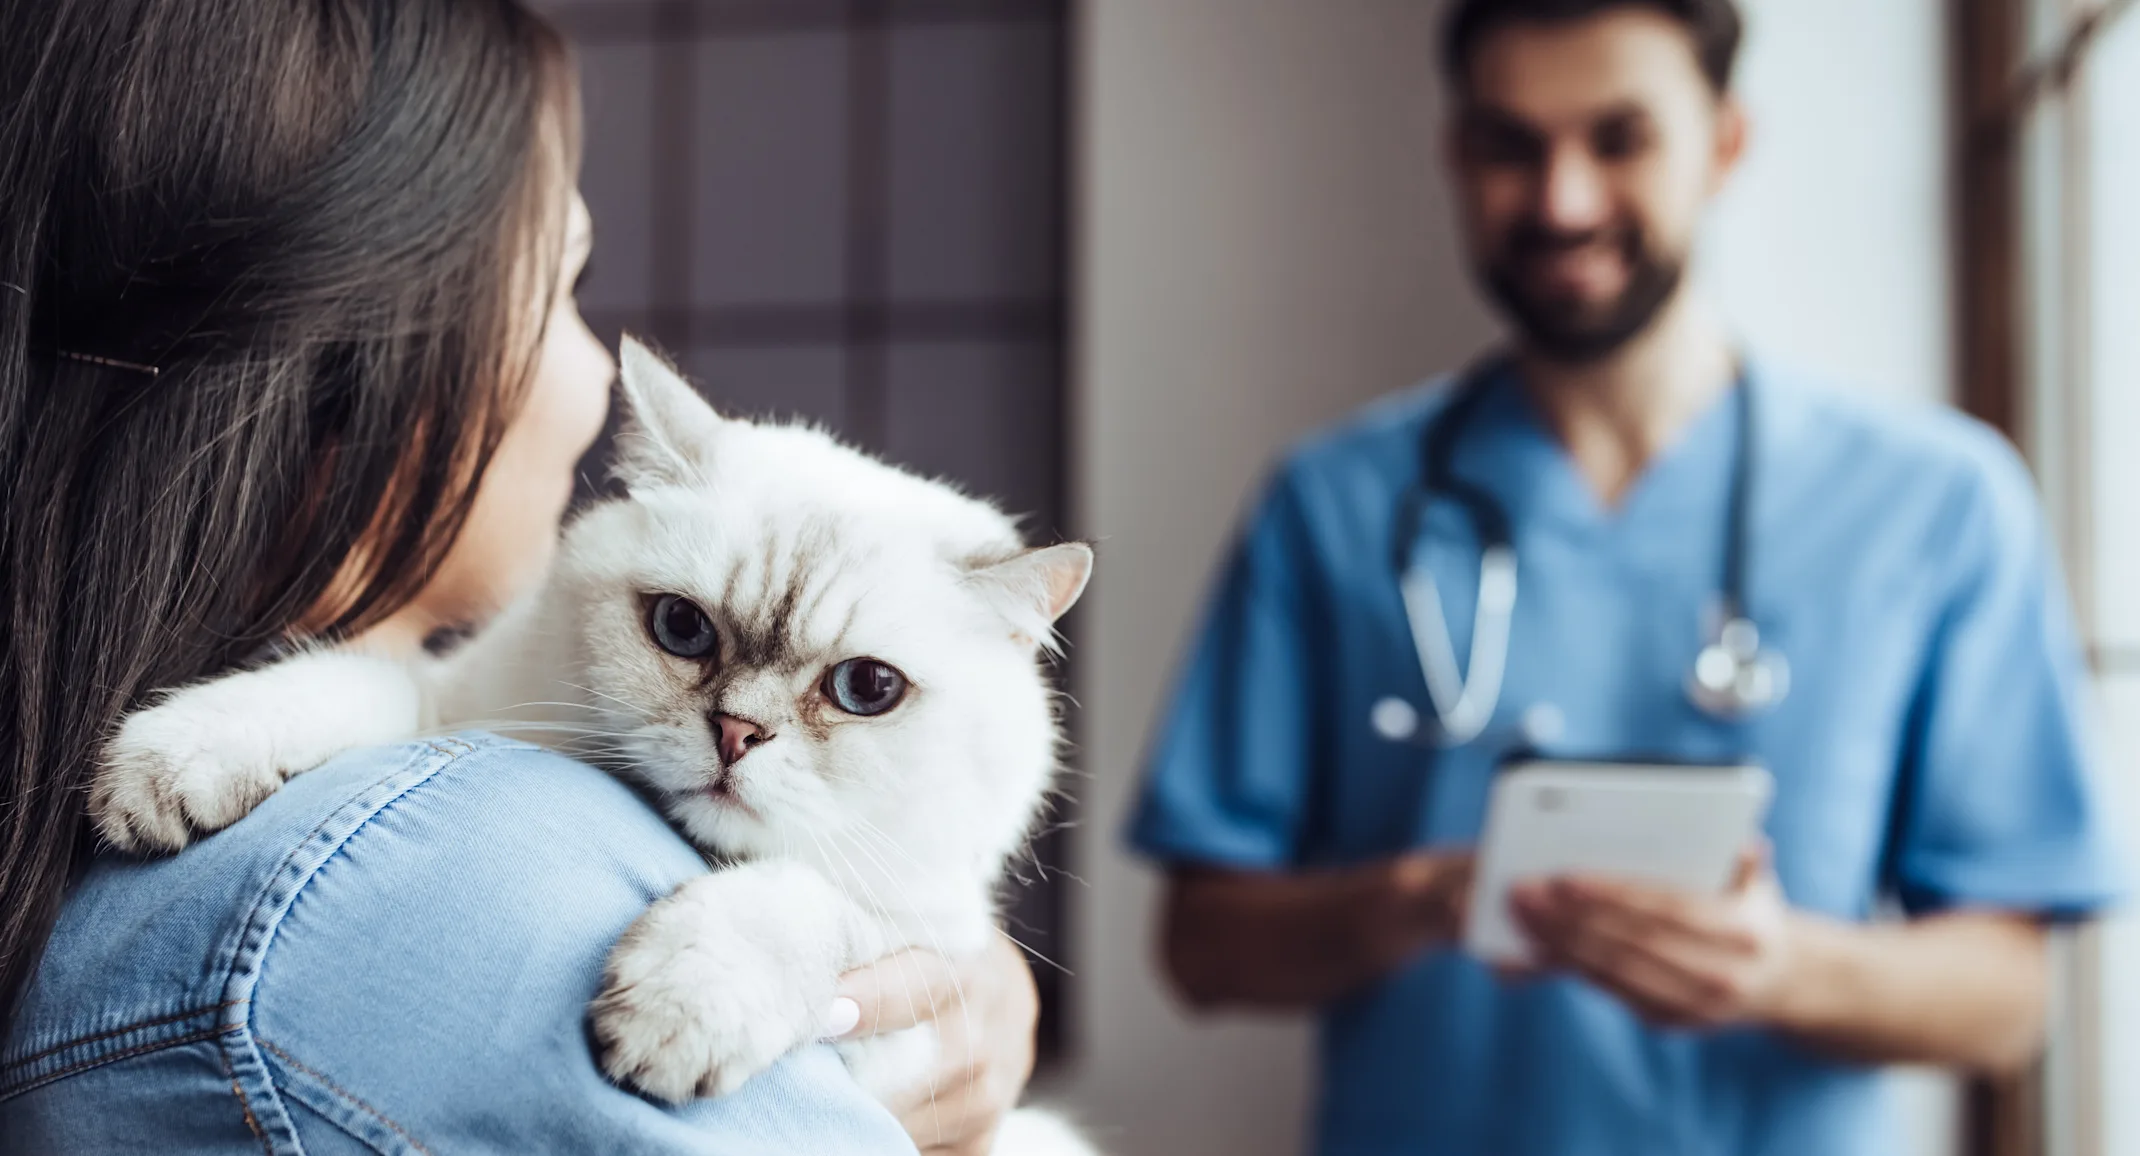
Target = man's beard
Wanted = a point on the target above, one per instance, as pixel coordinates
(1575, 332)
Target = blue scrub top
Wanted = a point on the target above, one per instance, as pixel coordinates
(1932, 748)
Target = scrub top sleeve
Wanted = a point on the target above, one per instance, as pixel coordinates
(1232, 756)
(2001, 804)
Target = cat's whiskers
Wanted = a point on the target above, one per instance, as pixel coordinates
(869, 895)
(958, 987)
(891, 876)
(910, 859)
(629, 706)
(850, 780)
(908, 966)
(583, 750)
(502, 724)
(623, 740)
(886, 840)
(567, 738)
(596, 746)
(1029, 852)
(543, 702)
(1029, 950)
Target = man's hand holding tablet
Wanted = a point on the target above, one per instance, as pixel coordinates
(1678, 958)
(1650, 881)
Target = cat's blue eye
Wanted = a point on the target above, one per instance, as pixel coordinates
(681, 628)
(865, 687)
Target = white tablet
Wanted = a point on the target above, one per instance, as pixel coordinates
(1676, 825)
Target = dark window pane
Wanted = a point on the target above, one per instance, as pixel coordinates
(772, 382)
(619, 161)
(771, 196)
(976, 174)
(600, 22)
(986, 415)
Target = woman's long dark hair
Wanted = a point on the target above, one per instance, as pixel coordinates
(266, 304)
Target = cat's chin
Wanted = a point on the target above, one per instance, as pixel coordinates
(721, 821)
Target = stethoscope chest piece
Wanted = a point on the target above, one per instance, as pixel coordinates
(1733, 677)
(1395, 720)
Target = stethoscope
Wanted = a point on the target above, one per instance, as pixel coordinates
(1733, 676)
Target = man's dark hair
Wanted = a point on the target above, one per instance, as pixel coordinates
(1714, 26)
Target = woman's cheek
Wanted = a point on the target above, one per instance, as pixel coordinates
(511, 532)
(503, 548)
(564, 412)
(573, 385)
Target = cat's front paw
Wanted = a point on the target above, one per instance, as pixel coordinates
(180, 768)
(693, 1004)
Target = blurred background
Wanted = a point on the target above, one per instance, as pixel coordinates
(1101, 259)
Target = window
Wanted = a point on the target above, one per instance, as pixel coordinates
(2051, 247)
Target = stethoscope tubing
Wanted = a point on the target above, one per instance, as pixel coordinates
(1464, 702)
(1731, 678)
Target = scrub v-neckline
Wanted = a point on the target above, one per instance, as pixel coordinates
(1693, 465)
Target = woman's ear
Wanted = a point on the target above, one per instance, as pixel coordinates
(1035, 589)
(669, 430)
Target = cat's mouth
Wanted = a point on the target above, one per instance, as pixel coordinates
(726, 791)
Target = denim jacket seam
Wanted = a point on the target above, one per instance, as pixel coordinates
(80, 1053)
(244, 956)
(347, 1096)
(98, 1037)
(19, 1077)
(102, 1058)
(245, 1104)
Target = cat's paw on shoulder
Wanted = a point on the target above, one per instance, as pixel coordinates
(672, 1047)
(690, 1008)
(178, 769)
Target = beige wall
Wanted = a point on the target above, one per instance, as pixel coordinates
(1265, 243)
(1264, 247)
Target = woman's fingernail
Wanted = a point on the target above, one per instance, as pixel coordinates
(843, 1017)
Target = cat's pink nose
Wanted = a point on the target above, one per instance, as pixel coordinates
(737, 737)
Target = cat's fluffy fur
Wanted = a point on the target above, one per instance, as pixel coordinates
(839, 838)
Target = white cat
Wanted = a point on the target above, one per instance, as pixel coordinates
(825, 669)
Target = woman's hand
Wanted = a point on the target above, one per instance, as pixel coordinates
(984, 1008)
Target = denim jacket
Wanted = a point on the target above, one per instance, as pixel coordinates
(393, 954)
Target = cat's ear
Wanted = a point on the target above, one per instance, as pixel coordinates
(669, 430)
(1034, 589)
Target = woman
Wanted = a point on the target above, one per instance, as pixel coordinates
(288, 352)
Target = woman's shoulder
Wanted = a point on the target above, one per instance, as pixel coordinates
(376, 835)
(511, 842)
(389, 939)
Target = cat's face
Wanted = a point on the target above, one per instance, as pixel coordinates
(805, 652)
